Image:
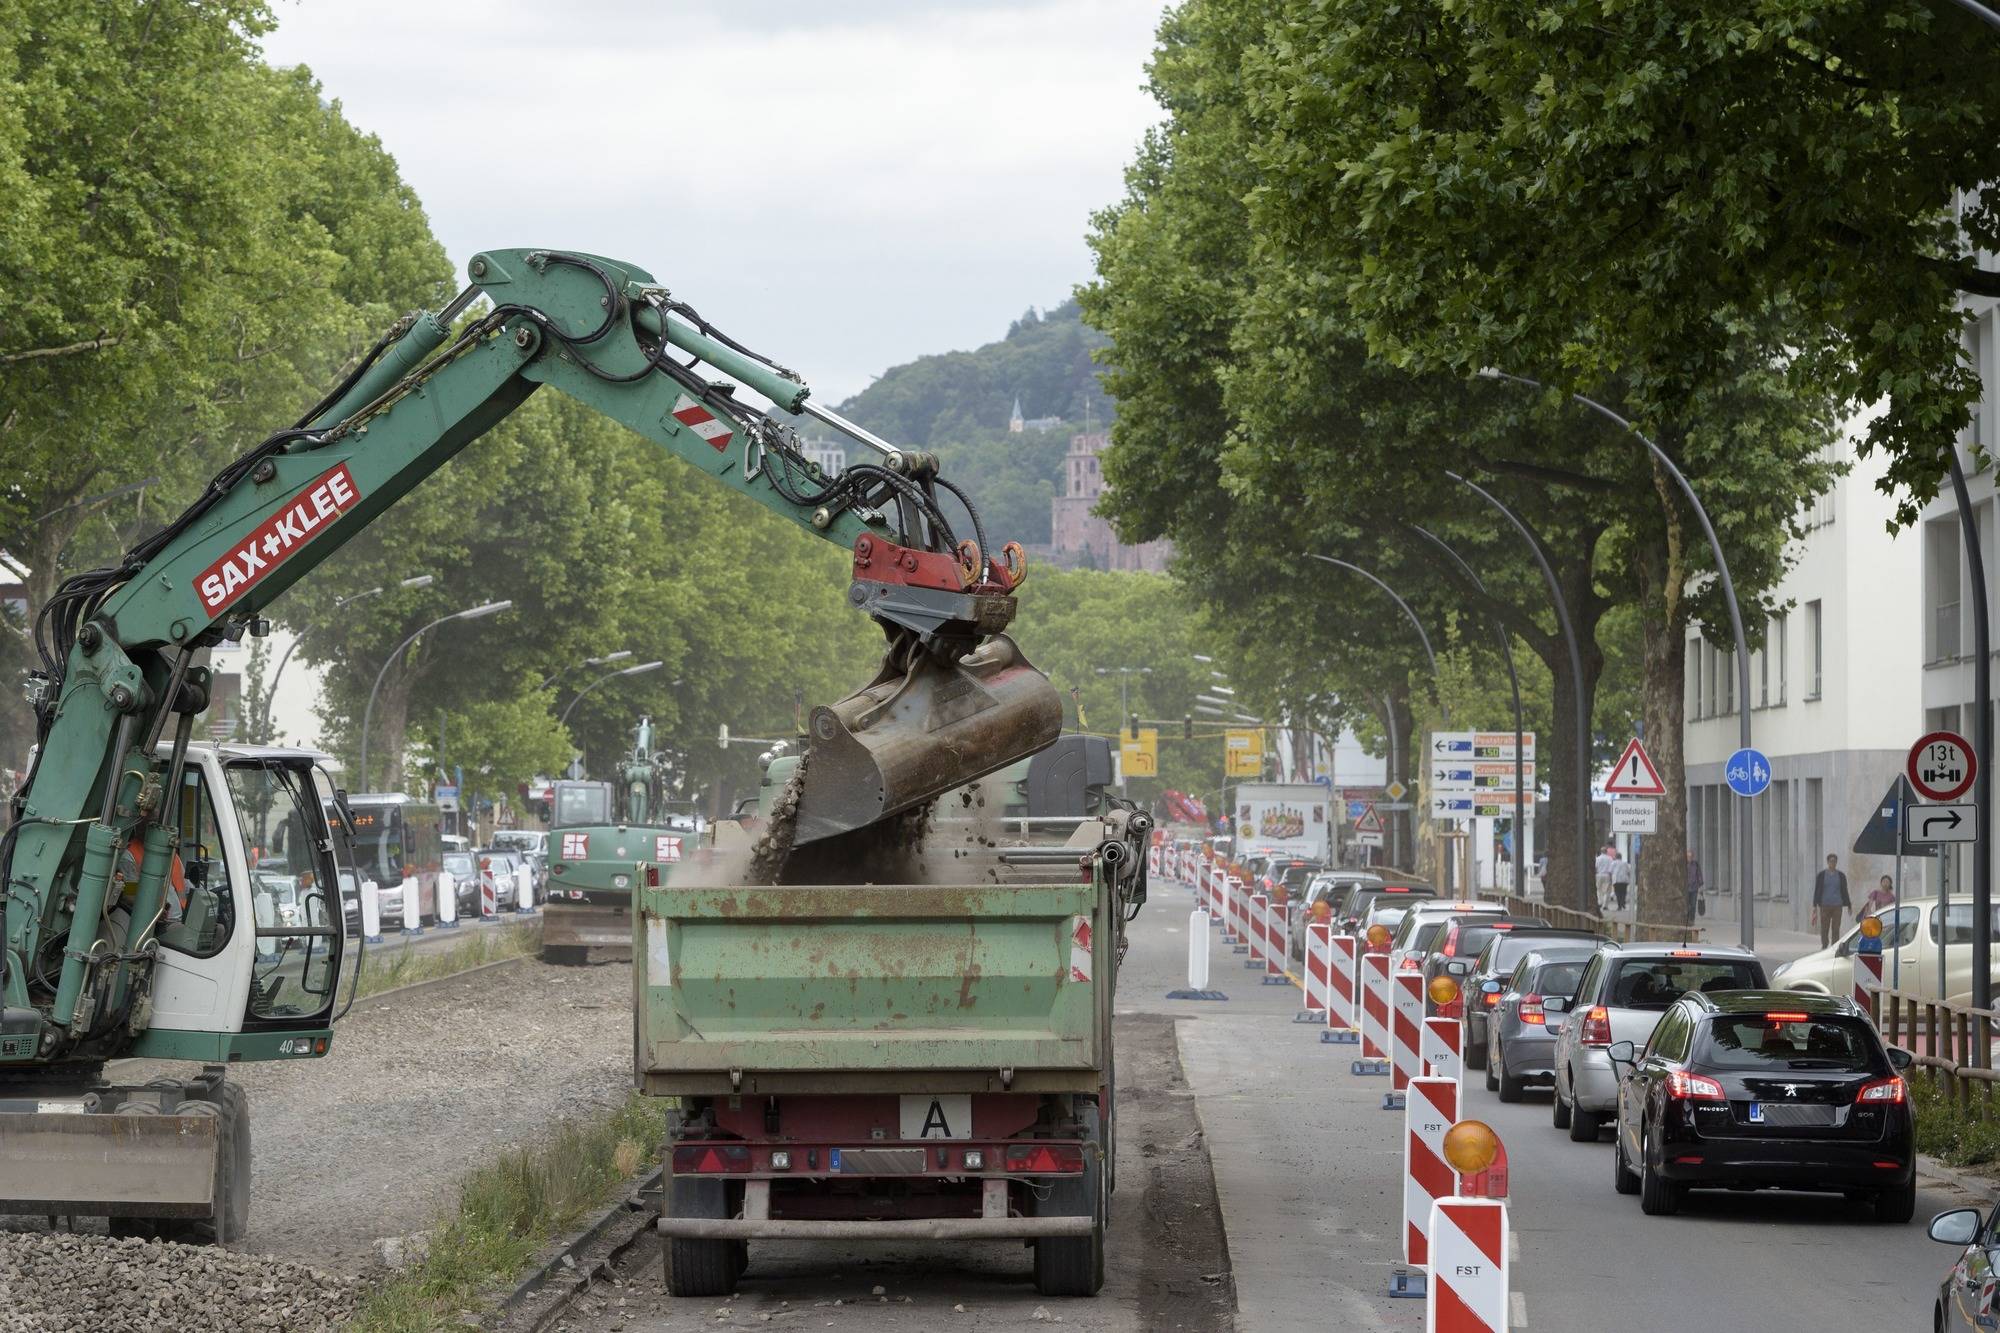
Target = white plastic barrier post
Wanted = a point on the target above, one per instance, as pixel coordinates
(1258, 919)
(1317, 976)
(524, 888)
(1439, 1049)
(1470, 1281)
(1197, 950)
(1374, 1015)
(371, 912)
(1431, 1111)
(1406, 1001)
(413, 908)
(447, 907)
(1277, 943)
(1343, 1009)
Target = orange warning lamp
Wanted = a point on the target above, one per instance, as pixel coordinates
(1443, 991)
(1871, 927)
(1470, 1146)
(1322, 911)
(1378, 935)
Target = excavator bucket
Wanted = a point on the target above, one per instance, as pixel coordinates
(913, 735)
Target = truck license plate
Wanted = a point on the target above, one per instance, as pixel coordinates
(944, 1115)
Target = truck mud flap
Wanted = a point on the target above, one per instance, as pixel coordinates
(108, 1165)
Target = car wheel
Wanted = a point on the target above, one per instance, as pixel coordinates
(1559, 1109)
(1475, 1056)
(1897, 1204)
(1657, 1198)
(1622, 1178)
(1583, 1124)
(1493, 1062)
(1512, 1085)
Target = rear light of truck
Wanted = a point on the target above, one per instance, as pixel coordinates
(1883, 1091)
(975, 1159)
(1685, 1087)
(695, 1159)
(1044, 1158)
(1596, 1030)
(1531, 1010)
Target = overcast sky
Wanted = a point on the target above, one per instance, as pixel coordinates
(841, 184)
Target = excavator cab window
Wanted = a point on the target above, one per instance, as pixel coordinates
(201, 922)
(292, 880)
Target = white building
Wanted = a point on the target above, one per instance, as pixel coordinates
(1834, 704)
(827, 455)
(293, 719)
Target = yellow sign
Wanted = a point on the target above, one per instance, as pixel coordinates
(1141, 757)
(1243, 754)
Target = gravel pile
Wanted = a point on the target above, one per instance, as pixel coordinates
(59, 1283)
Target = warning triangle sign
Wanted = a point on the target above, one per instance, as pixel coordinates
(1369, 822)
(1634, 774)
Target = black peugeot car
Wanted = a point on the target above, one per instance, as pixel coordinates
(1763, 1089)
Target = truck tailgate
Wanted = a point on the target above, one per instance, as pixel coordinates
(824, 981)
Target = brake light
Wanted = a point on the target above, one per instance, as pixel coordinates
(1531, 1010)
(1503, 925)
(1786, 1018)
(1685, 1087)
(1883, 1091)
(1044, 1158)
(1684, 953)
(1492, 999)
(1596, 1030)
(710, 1159)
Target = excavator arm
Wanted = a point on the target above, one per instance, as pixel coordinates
(119, 681)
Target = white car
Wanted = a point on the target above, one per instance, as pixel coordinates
(1909, 954)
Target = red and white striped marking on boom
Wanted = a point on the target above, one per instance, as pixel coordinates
(1080, 959)
(702, 422)
(1429, 1112)
(1407, 1029)
(1469, 1279)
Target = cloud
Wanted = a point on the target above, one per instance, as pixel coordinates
(843, 186)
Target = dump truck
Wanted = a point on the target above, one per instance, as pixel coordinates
(929, 1059)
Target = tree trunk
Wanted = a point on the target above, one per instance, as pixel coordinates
(391, 732)
(1662, 854)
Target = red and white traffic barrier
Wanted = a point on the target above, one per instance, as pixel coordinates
(1153, 861)
(1469, 1278)
(1406, 1029)
(1374, 1015)
(1277, 942)
(1343, 1008)
(1867, 978)
(1439, 1048)
(1239, 913)
(1429, 1112)
(1260, 931)
(1317, 978)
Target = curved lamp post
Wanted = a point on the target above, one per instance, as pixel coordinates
(1424, 638)
(605, 660)
(1746, 857)
(1514, 684)
(639, 670)
(271, 695)
(368, 713)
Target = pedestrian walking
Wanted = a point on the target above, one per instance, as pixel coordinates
(1621, 878)
(1695, 905)
(1605, 857)
(1880, 898)
(1830, 900)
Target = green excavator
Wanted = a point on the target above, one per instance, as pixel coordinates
(178, 900)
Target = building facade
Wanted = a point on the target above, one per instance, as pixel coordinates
(1834, 703)
(1079, 538)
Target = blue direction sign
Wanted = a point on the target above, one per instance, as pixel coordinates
(1749, 772)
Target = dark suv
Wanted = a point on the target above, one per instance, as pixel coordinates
(1762, 1089)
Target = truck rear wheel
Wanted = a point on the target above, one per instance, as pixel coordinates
(699, 1267)
(1074, 1265)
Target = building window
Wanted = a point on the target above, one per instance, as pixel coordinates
(1763, 673)
(1726, 666)
(1941, 543)
(1781, 625)
(1815, 654)
(1694, 647)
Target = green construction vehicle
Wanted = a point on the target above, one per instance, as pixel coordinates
(137, 875)
(598, 833)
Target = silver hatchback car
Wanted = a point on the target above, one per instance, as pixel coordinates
(1522, 1030)
(1624, 990)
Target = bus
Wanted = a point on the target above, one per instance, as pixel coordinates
(398, 840)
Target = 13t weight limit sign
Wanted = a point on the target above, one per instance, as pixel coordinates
(1942, 766)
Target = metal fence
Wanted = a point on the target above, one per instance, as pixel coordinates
(1952, 1044)
(1570, 918)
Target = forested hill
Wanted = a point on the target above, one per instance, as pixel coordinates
(958, 403)
(1044, 361)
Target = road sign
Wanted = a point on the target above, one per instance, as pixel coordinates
(1879, 836)
(1748, 772)
(1635, 816)
(1368, 821)
(1469, 775)
(1367, 840)
(1395, 791)
(1451, 745)
(1942, 766)
(1941, 823)
(1243, 754)
(1140, 757)
(1484, 805)
(1634, 774)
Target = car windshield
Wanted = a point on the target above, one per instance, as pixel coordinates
(458, 863)
(524, 842)
(1508, 948)
(1391, 917)
(1557, 978)
(1367, 895)
(1655, 983)
(1766, 1041)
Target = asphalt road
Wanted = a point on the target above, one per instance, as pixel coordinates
(1308, 1169)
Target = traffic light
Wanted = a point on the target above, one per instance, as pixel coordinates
(1187, 726)
(1132, 725)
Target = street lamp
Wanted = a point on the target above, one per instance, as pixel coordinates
(605, 660)
(1424, 638)
(368, 713)
(639, 670)
(271, 694)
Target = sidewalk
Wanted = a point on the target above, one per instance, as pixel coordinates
(1774, 945)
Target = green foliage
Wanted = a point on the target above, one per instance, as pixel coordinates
(501, 742)
(1956, 1135)
(385, 971)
